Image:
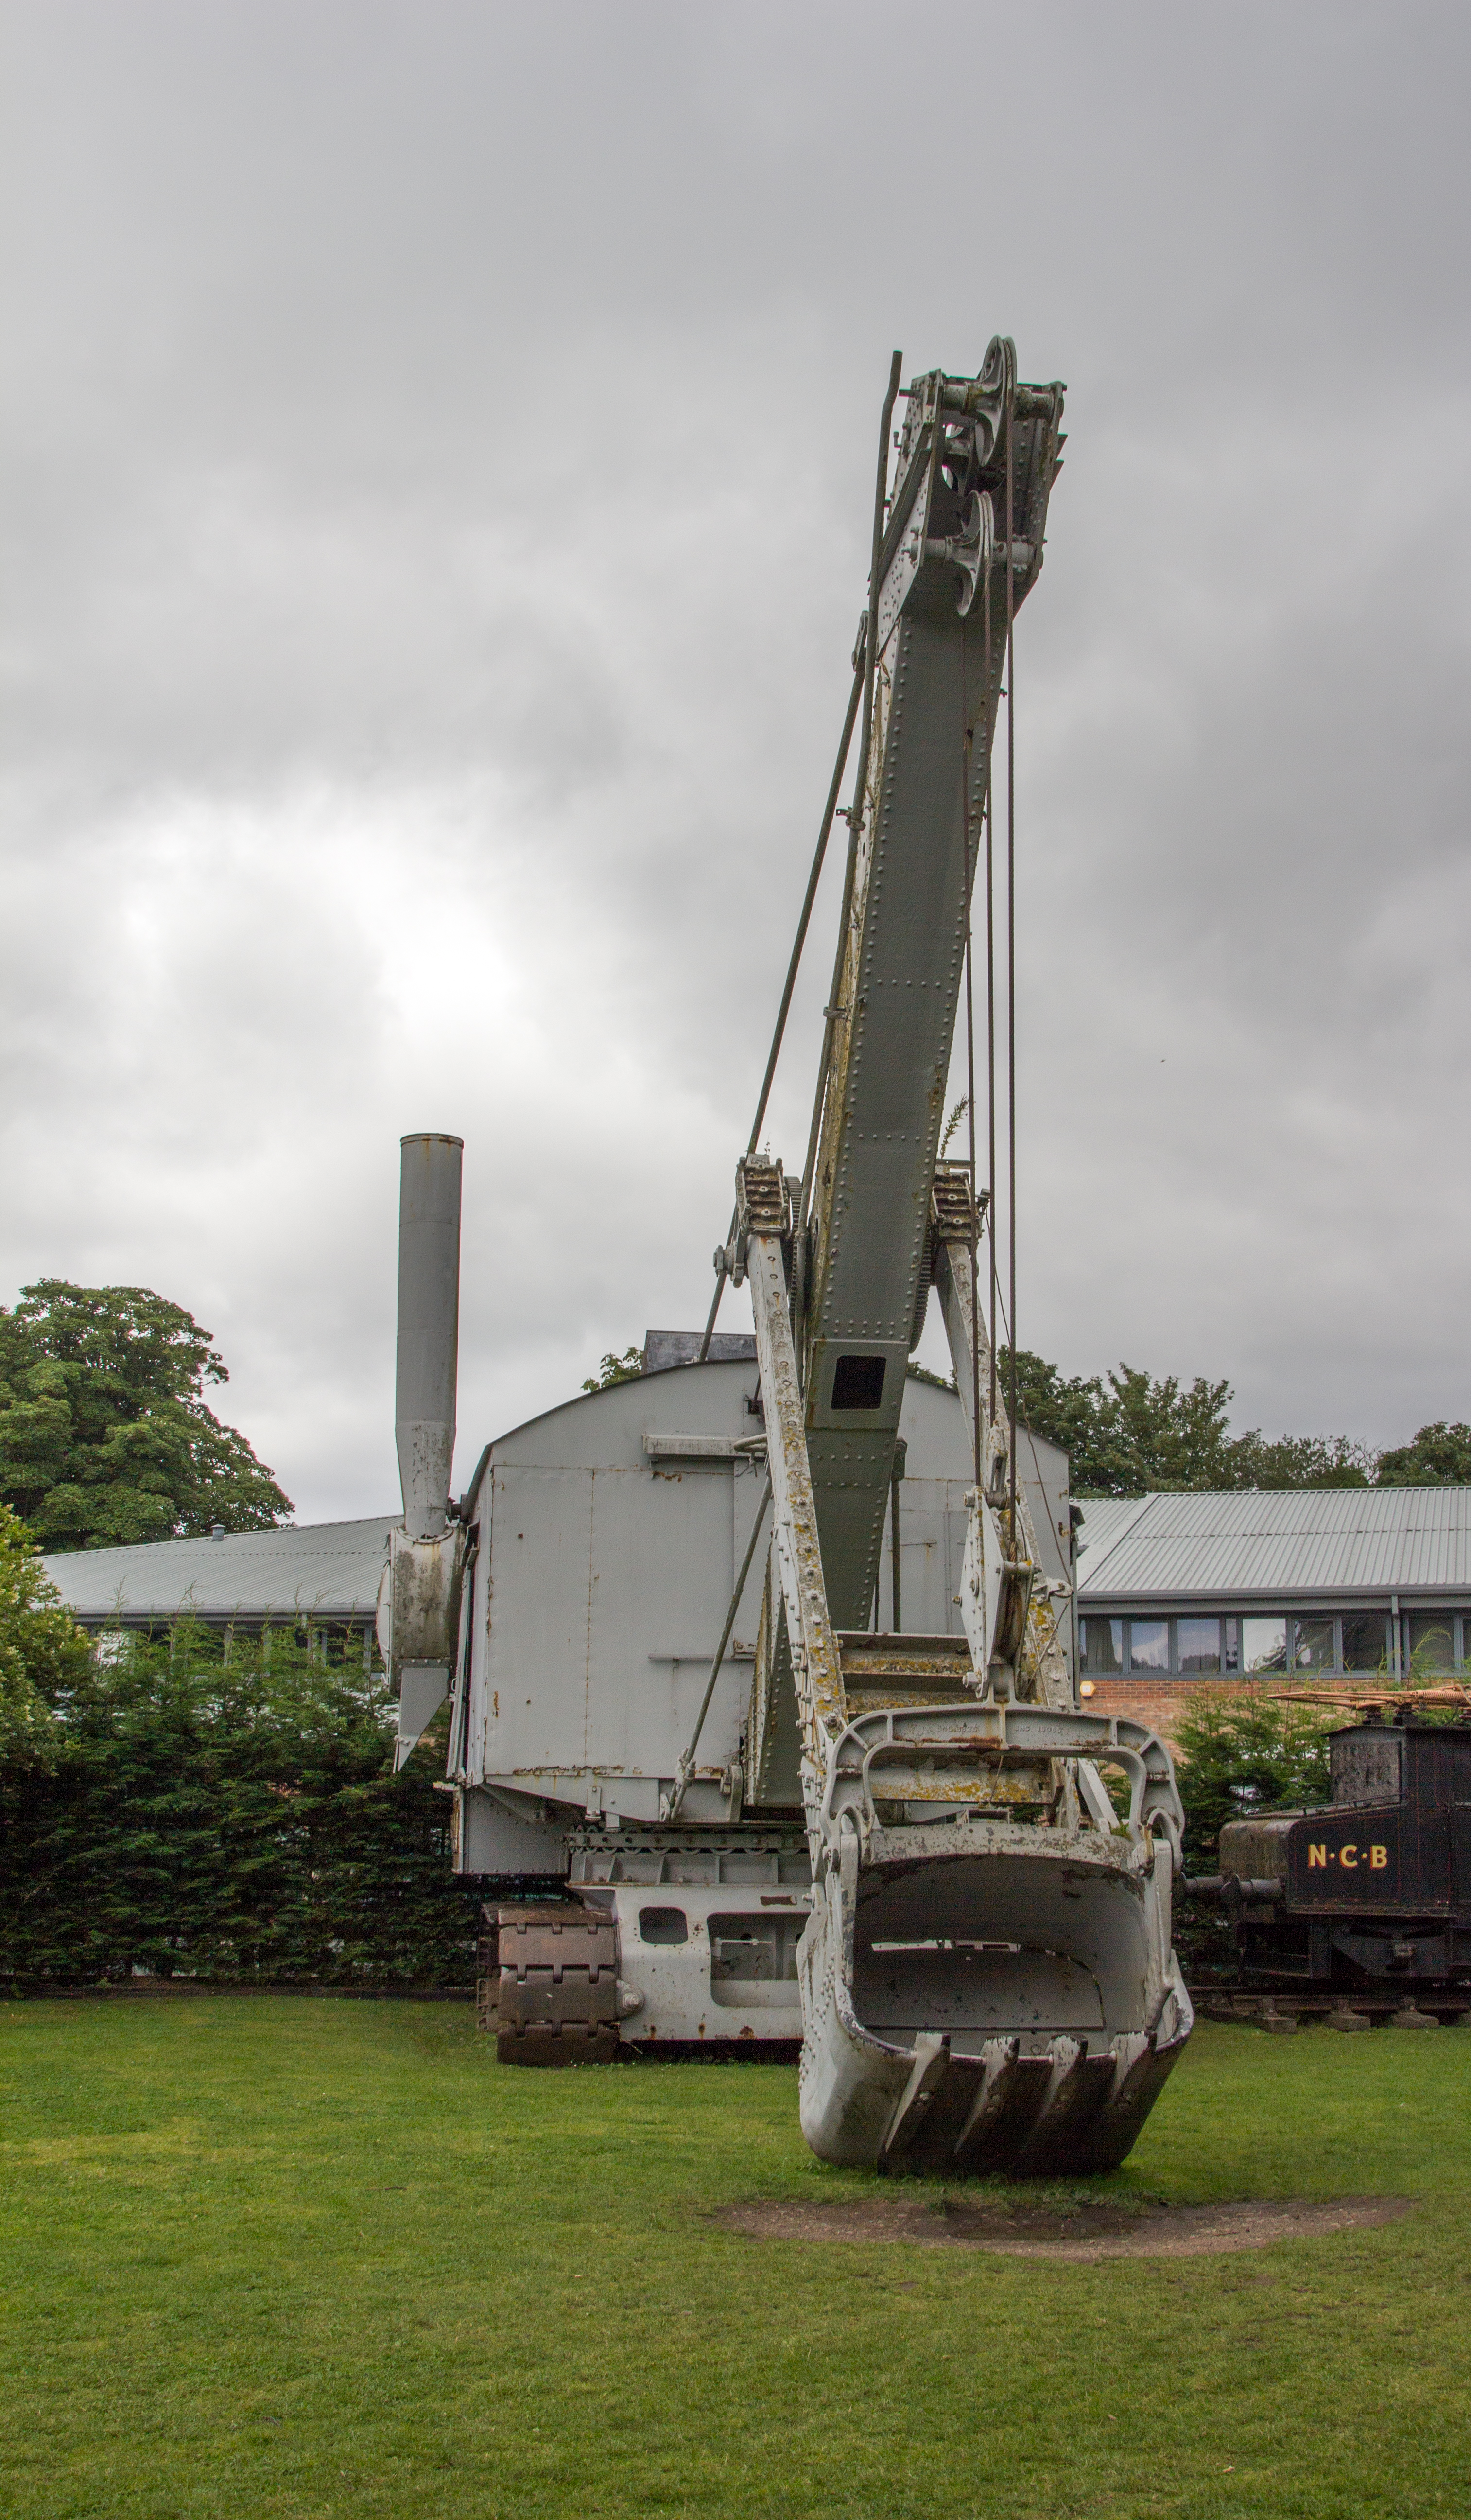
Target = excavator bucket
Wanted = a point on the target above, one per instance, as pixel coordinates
(987, 1979)
(1001, 2006)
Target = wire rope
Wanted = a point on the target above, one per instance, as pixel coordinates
(975, 1279)
(1012, 921)
(860, 788)
(990, 997)
(782, 1012)
(863, 686)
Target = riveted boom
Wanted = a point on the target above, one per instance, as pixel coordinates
(940, 604)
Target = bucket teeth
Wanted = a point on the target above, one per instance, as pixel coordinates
(1064, 2108)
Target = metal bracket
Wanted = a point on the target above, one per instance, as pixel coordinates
(955, 1216)
(760, 1198)
(995, 1731)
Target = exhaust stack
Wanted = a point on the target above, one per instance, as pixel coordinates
(418, 1597)
(429, 1327)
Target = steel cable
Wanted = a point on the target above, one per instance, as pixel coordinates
(859, 785)
(782, 1012)
(1011, 917)
(686, 1768)
(862, 683)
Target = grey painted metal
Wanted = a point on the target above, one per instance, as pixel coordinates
(1291, 1545)
(327, 1571)
(418, 1621)
(987, 1979)
(925, 1754)
(423, 1688)
(709, 1928)
(1044, 1667)
(684, 1768)
(1074, 2021)
(610, 1533)
(429, 1326)
(603, 1582)
(797, 1560)
(903, 955)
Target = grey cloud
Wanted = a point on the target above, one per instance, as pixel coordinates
(440, 444)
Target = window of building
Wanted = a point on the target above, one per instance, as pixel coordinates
(1100, 1642)
(1312, 1645)
(1365, 1637)
(1148, 1644)
(1197, 1645)
(1429, 1642)
(1263, 1645)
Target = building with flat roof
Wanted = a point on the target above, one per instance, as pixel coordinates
(326, 1575)
(1176, 1592)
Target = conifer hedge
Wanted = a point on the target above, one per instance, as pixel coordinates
(225, 1810)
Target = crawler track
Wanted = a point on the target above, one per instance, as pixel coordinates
(548, 1984)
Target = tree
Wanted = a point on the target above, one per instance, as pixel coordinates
(1300, 1462)
(1440, 1457)
(1128, 1434)
(42, 1650)
(105, 1436)
(626, 1368)
(1242, 1754)
(1070, 1412)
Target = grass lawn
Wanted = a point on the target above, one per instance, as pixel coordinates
(267, 2256)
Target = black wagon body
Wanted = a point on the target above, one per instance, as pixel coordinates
(1367, 1900)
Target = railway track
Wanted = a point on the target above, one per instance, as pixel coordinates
(1285, 2013)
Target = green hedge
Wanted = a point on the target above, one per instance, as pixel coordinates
(1243, 1753)
(227, 1814)
(1238, 1754)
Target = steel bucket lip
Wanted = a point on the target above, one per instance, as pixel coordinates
(887, 1849)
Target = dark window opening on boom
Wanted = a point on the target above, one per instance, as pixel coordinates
(858, 1382)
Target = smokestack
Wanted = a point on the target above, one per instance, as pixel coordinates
(429, 1327)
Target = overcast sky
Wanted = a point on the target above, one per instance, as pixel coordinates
(437, 465)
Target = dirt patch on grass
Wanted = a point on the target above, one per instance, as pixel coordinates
(1084, 2233)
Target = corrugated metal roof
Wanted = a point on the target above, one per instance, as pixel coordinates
(1106, 1519)
(1280, 1544)
(1277, 1545)
(328, 1568)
